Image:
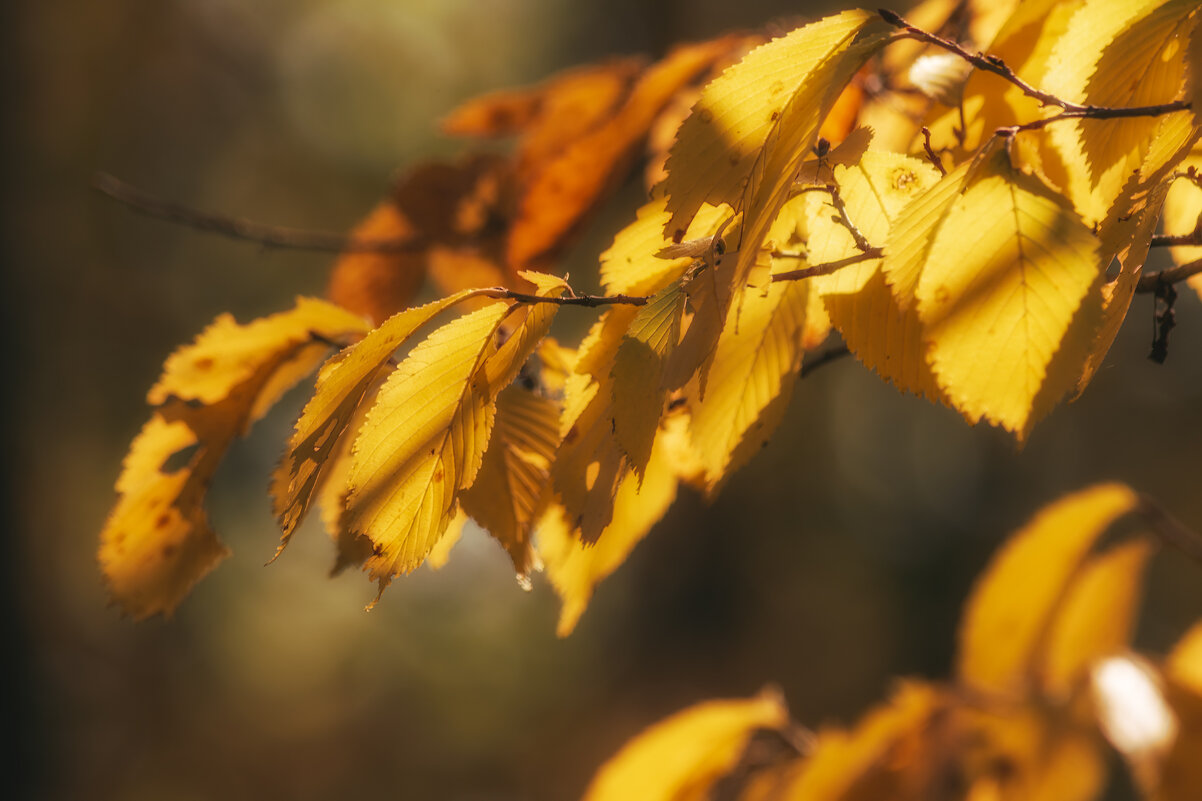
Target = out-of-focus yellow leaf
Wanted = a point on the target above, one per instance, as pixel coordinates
(682, 757)
(514, 475)
(1183, 208)
(1010, 280)
(875, 327)
(751, 379)
(575, 567)
(157, 542)
(1115, 53)
(754, 126)
(1096, 617)
(341, 387)
(1184, 664)
(1004, 630)
(884, 756)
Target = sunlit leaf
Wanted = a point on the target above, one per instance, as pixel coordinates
(681, 758)
(1003, 633)
(157, 542)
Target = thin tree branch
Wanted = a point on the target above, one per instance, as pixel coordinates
(1170, 275)
(826, 357)
(234, 228)
(826, 268)
(1173, 240)
(995, 65)
(1169, 529)
(590, 301)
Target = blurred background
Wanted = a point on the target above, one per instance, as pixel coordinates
(838, 559)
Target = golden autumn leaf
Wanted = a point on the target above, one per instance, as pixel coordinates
(680, 758)
(1115, 53)
(755, 124)
(424, 438)
(157, 542)
(751, 380)
(1003, 634)
(515, 473)
(1009, 280)
(877, 329)
(573, 567)
(342, 385)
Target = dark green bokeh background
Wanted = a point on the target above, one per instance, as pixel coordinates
(837, 560)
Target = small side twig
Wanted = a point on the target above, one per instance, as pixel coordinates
(590, 301)
(995, 65)
(936, 162)
(245, 230)
(826, 268)
(826, 357)
(837, 201)
(1170, 529)
(1164, 320)
(1171, 275)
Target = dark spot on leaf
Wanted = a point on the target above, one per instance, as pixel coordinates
(163, 520)
(774, 116)
(678, 236)
(203, 363)
(169, 550)
(734, 157)
(705, 115)
(438, 474)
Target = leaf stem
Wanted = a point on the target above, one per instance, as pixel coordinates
(826, 268)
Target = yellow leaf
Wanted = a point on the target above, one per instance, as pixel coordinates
(682, 757)
(751, 380)
(1115, 53)
(1009, 280)
(882, 757)
(1116, 300)
(754, 126)
(505, 498)
(638, 373)
(633, 264)
(423, 440)
(341, 386)
(1004, 631)
(1096, 617)
(441, 552)
(157, 542)
(421, 443)
(574, 567)
(875, 327)
(1184, 664)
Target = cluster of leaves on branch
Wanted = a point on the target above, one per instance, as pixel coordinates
(1046, 688)
(952, 216)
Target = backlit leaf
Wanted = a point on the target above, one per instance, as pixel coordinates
(681, 758)
(326, 418)
(157, 542)
(1003, 633)
(575, 567)
(1009, 281)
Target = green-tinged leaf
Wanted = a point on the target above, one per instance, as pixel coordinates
(682, 757)
(1010, 280)
(1004, 633)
